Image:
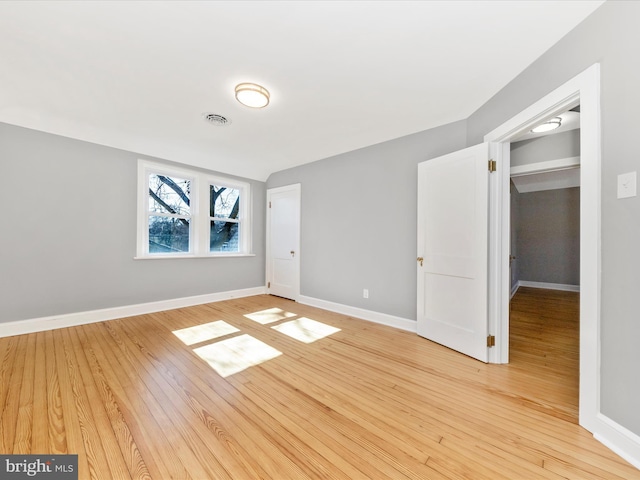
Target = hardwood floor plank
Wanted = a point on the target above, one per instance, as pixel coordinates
(98, 411)
(371, 453)
(73, 434)
(89, 425)
(9, 417)
(260, 418)
(55, 412)
(142, 414)
(170, 420)
(311, 449)
(8, 354)
(125, 441)
(24, 423)
(368, 401)
(213, 425)
(406, 425)
(40, 425)
(228, 416)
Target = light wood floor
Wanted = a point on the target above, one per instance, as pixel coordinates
(367, 402)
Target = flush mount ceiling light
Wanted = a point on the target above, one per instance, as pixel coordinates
(252, 95)
(548, 125)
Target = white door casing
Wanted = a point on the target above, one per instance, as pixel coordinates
(283, 241)
(584, 89)
(452, 250)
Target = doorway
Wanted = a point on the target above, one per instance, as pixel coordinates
(583, 90)
(545, 264)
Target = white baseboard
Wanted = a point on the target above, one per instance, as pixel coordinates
(549, 286)
(42, 324)
(514, 289)
(370, 315)
(618, 439)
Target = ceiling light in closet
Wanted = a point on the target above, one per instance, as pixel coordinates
(547, 126)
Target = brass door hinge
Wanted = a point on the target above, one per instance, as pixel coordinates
(491, 341)
(269, 204)
(492, 165)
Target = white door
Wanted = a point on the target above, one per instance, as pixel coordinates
(452, 250)
(283, 241)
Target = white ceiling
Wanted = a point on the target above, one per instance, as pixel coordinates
(342, 75)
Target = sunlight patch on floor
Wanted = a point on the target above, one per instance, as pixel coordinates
(305, 329)
(204, 332)
(236, 354)
(269, 316)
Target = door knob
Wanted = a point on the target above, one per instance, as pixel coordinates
(293, 254)
(421, 259)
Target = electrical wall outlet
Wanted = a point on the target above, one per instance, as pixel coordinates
(365, 293)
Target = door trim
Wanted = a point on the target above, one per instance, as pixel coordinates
(296, 188)
(584, 89)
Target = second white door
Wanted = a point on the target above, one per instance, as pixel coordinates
(283, 241)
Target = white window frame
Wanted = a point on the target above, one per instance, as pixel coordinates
(244, 241)
(199, 229)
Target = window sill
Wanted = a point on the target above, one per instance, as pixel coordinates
(171, 257)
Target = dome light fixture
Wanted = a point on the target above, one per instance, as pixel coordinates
(252, 95)
(547, 126)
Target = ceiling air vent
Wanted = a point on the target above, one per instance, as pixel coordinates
(215, 119)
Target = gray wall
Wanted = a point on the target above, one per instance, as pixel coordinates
(359, 215)
(68, 235)
(547, 225)
(549, 147)
(611, 37)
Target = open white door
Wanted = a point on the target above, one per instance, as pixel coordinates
(283, 241)
(452, 250)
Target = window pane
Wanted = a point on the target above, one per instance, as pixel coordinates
(224, 237)
(169, 194)
(168, 235)
(224, 202)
